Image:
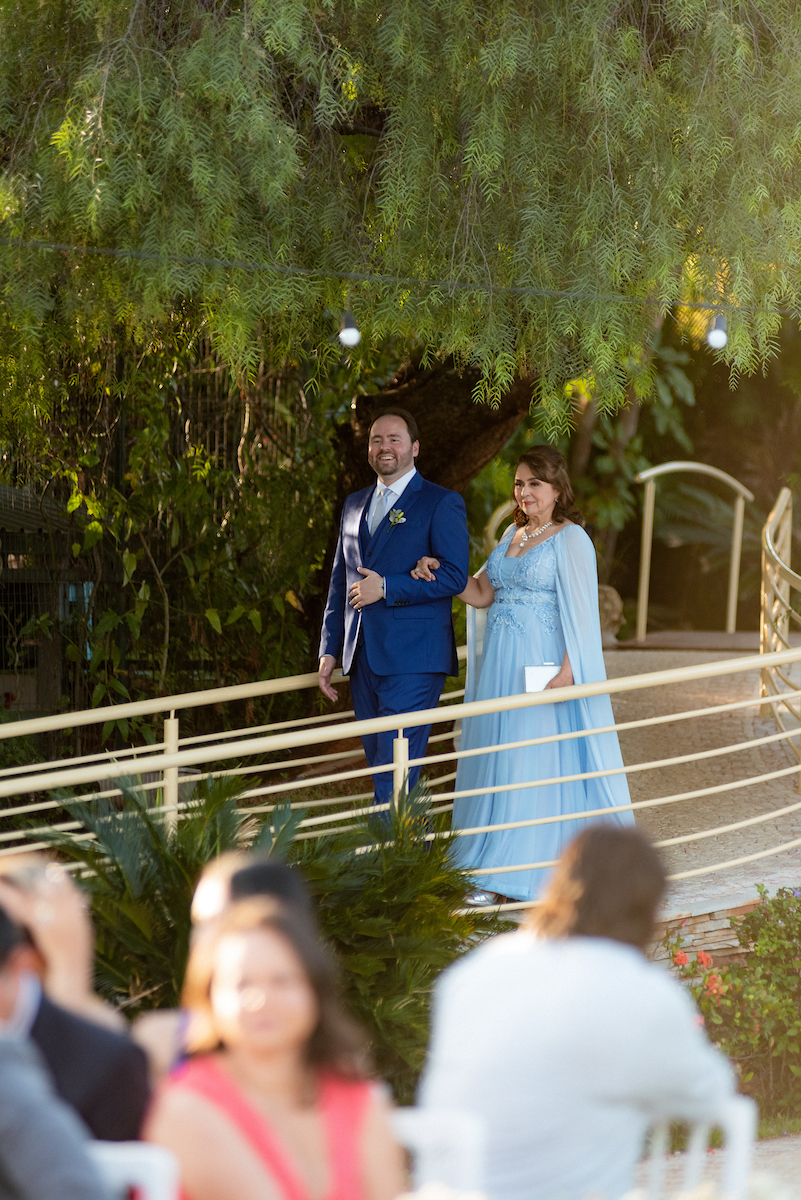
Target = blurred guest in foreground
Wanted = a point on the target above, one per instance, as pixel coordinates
(275, 1055)
(42, 1142)
(566, 1040)
(235, 875)
(99, 1072)
(39, 896)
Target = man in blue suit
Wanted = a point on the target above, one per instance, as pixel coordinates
(394, 633)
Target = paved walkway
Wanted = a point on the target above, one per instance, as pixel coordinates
(735, 885)
(776, 1160)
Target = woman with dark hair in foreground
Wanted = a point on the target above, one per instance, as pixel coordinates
(274, 1103)
(566, 1040)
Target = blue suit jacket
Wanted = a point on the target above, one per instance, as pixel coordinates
(411, 631)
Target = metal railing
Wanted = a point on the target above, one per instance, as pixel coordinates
(648, 478)
(272, 760)
(779, 618)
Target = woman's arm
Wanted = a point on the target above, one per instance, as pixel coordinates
(383, 1170)
(479, 592)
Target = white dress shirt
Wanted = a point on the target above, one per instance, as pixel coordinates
(393, 493)
(567, 1049)
(26, 1007)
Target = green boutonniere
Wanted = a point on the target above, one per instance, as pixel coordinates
(396, 516)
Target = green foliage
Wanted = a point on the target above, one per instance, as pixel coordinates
(140, 875)
(691, 515)
(391, 915)
(200, 512)
(387, 901)
(752, 1010)
(603, 470)
(596, 149)
(622, 446)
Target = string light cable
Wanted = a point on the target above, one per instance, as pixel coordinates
(447, 285)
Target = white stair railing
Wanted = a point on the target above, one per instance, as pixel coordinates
(271, 762)
(779, 618)
(649, 478)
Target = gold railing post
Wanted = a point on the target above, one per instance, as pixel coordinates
(764, 630)
(645, 558)
(169, 791)
(400, 767)
(776, 607)
(734, 564)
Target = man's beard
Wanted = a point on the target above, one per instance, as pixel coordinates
(398, 467)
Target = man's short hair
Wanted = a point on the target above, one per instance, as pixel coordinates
(404, 415)
(11, 936)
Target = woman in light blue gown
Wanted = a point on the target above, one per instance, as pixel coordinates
(541, 589)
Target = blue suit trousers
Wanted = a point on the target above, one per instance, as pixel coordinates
(386, 695)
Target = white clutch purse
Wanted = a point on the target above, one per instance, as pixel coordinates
(537, 677)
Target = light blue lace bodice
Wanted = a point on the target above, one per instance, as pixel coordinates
(528, 581)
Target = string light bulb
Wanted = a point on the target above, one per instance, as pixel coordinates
(717, 335)
(348, 333)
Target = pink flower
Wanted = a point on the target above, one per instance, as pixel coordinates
(704, 959)
(680, 958)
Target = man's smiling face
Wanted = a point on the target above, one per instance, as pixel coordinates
(391, 451)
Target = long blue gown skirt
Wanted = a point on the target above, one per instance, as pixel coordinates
(546, 602)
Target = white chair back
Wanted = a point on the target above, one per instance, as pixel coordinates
(152, 1170)
(447, 1146)
(737, 1120)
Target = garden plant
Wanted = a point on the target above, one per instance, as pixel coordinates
(390, 904)
(752, 1009)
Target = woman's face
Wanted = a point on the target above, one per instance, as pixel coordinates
(261, 997)
(536, 497)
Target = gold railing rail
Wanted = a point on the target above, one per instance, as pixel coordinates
(271, 760)
(779, 618)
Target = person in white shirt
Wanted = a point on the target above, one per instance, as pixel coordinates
(565, 1040)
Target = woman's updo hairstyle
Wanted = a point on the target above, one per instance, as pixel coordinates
(547, 464)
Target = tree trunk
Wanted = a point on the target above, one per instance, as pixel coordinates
(581, 441)
(457, 436)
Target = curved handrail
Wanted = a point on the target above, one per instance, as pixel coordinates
(776, 612)
(700, 469)
(503, 510)
(172, 704)
(670, 468)
(782, 509)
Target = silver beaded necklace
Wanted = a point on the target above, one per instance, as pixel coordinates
(529, 537)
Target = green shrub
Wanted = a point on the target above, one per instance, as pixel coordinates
(752, 1010)
(390, 914)
(387, 900)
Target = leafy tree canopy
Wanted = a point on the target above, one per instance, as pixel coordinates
(594, 147)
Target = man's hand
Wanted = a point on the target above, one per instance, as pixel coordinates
(324, 673)
(368, 590)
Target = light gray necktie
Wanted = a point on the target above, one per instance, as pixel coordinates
(380, 510)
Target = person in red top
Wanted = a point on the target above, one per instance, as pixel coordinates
(274, 1102)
